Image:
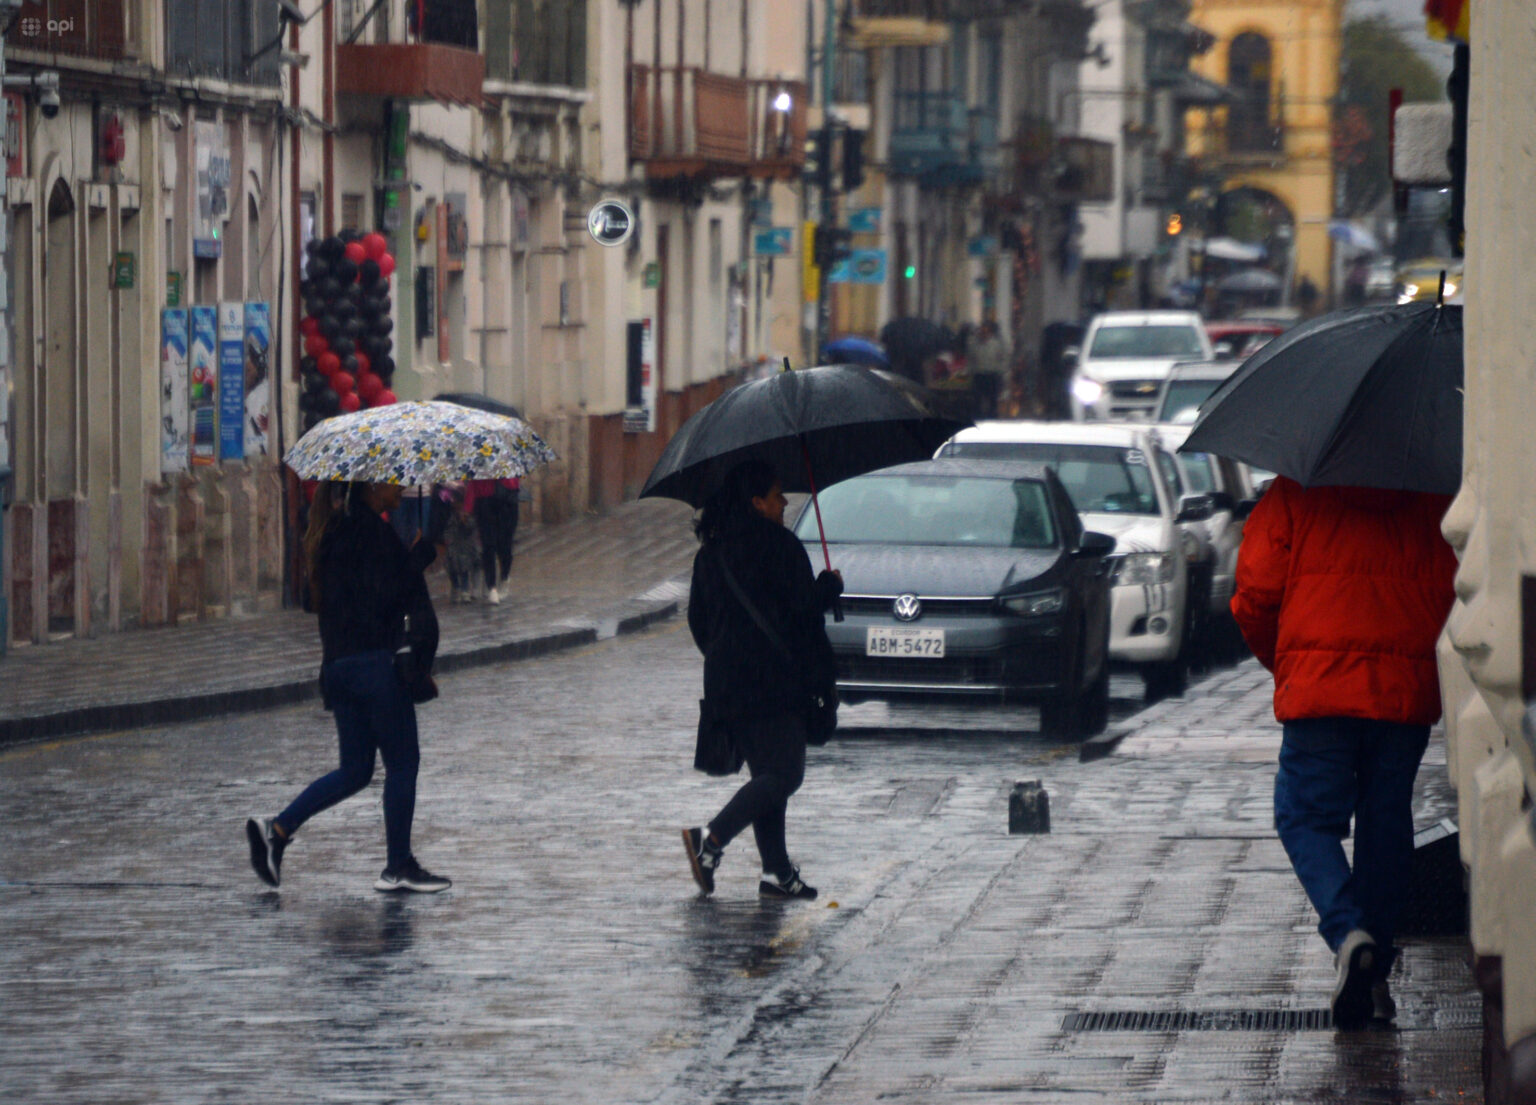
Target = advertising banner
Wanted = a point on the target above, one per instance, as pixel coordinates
(174, 409)
(258, 402)
(231, 381)
(203, 374)
(863, 266)
(211, 150)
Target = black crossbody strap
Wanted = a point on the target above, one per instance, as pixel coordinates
(746, 603)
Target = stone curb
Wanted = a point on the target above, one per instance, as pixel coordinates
(84, 720)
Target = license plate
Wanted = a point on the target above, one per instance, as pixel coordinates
(897, 641)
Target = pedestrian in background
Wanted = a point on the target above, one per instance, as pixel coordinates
(1342, 593)
(364, 584)
(751, 569)
(988, 357)
(461, 543)
(494, 506)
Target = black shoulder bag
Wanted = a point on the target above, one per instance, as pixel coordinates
(821, 705)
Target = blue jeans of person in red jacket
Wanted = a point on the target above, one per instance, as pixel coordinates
(1332, 770)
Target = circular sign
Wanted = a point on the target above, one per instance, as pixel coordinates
(610, 223)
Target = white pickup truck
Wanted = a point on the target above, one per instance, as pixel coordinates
(1125, 357)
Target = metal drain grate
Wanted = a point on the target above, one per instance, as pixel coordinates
(1211, 1020)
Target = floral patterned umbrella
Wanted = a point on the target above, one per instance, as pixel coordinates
(418, 443)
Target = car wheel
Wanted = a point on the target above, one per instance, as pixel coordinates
(1075, 716)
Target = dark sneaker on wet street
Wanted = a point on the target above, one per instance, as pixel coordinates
(703, 857)
(1383, 1008)
(411, 876)
(1356, 964)
(266, 850)
(781, 886)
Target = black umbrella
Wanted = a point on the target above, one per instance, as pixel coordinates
(1370, 397)
(911, 340)
(816, 426)
(479, 402)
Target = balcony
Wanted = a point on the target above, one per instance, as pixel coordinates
(1239, 143)
(443, 64)
(686, 122)
(936, 138)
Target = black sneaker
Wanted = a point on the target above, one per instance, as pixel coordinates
(410, 875)
(266, 850)
(703, 857)
(1356, 963)
(780, 886)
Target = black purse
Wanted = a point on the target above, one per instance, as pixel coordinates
(820, 707)
(413, 662)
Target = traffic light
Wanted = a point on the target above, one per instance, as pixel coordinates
(833, 244)
(818, 157)
(853, 159)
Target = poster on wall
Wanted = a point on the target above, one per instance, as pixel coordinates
(212, 161)
(258, 402)
(231, 381)
(640, 405)
(203, 379)
(173, 391)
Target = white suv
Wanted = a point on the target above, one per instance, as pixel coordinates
(1118, 475)
(1125, 357)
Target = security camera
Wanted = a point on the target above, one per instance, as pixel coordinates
(288, 12)
(48, 94)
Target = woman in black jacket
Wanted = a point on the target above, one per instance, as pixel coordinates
(363, 584)
(756, 687)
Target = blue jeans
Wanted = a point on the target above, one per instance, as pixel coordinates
(374, 717)
(1332, 769)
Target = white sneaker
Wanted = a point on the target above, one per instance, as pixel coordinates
(493, 597)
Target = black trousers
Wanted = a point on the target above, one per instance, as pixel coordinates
(496, 519)
(774, 748)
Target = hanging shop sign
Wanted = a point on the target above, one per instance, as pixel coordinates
(173, 289)
(123, 270)
(862, 266)
(258, 352)
(610, 222)
(777, 241)
(651, 275)
(174, 409)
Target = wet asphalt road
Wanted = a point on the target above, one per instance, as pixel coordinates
(140, 960)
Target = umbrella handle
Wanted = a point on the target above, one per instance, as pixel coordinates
(810, 478)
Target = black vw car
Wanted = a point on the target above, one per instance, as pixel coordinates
(968, 578)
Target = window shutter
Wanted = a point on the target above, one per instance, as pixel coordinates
(557, 17)
(498, 40)
(577, 76)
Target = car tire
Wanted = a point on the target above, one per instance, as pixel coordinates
(1077, 716)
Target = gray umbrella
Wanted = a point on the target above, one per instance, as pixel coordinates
(1370, 397)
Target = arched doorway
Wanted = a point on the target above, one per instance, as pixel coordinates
(1250, 65)
(1253, 217)
(60, 416)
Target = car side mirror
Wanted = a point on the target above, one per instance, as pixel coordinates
(1195, 508)
(1223, 350)
(1222, 500)
(1070, 356)
(1244, 509)
(1094, 544)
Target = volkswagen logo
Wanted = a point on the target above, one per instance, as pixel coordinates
(907, 608)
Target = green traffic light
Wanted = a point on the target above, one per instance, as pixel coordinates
(909, 272)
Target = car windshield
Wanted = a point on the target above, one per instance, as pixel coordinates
(935, 510)
(1181, 402)
(1197, 473)
(1146, 341)
(1104, 478)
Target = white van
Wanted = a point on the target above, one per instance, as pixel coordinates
(1122, 479)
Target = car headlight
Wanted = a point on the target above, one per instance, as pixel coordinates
(1035, 604)
(1406, 293)
(1140, 569)
(1088, 392)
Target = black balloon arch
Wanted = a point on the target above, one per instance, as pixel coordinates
(346, 326)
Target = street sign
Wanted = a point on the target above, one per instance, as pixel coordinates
(610, 222)
(864, 220)
(862, 266)
(776, 242)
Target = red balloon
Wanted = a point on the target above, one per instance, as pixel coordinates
(384, 398)
(375, 245)
(369, 384)
(308, 325)
(363, 363)
(386, 265)
(328, 363)
(316, 344)
(355, 253)
(349, 402)
(342, 383)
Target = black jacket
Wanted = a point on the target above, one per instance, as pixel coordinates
(744, 674)
(369, 581)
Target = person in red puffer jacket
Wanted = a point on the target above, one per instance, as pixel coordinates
(1342, 593)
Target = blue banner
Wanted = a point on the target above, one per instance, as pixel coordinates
(231, 381)
(258, 353)
(863, 266)
(174, 407)
(204, 377)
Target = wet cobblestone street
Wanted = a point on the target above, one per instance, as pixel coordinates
(140, 960)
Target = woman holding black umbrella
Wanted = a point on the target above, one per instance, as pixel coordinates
(756, 613)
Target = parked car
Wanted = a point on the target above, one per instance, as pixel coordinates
(1123, 481)
(1126, 355)
(1416, 281)
(1239, 339)
(972, 579)
(1232, 496)
(1189, 385)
